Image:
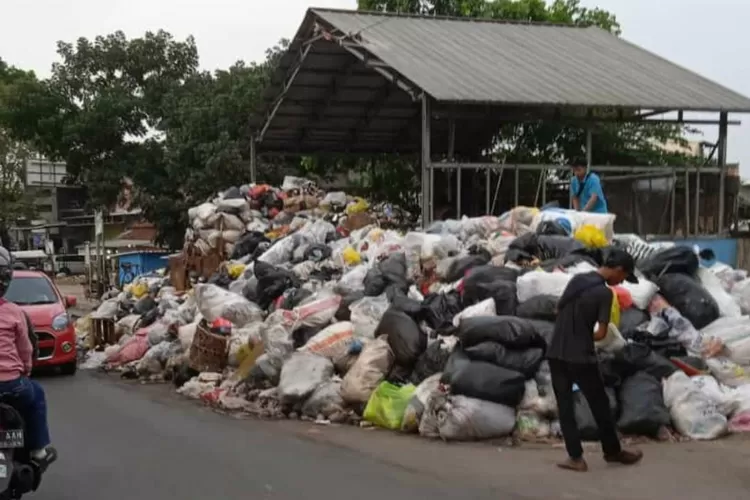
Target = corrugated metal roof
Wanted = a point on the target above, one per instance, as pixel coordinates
(530, 64)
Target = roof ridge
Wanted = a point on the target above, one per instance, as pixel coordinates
(487, 20)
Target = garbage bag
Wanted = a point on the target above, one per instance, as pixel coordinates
(536, 283)
(585, 418)
(468, 419)
(544, 328)
(456, 361)
(674, 260)
(439, 309)
(630, 320)
(555, 247)
(333, 342)
(543, 307)
(432, 361)
(591, 236)
(728, 307)
(419, 402)
(317, 252)
(635, 358)
(460, 266)
(734, 333)
(552, 227)
(642, 408)
(271, 285)
(344, 313)
(401, 301)
(325, 401)
(525, 361)
(367, 313)
(375, 282)
(485, 308)
(371, 367)
(693, 412)
(662, 344)
(144, 305)
(404, 336)
(480, 285)
(317, 311)
(512, 332)
(687, 295)
(215, 302)
(387, 405)
(248, 244)
(301, 374)
(489, 382)
(353, 281)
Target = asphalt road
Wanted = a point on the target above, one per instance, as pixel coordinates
(120, 442)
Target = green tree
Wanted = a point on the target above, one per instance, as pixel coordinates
(15, 204)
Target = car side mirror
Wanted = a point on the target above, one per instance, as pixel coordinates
(70, 301)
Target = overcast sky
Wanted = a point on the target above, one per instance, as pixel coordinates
(709, 37)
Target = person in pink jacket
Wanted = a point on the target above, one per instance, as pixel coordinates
(16, 361)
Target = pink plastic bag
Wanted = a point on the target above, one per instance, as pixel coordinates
(133, 350)
(740, 422)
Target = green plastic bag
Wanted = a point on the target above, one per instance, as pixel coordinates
(387, 405)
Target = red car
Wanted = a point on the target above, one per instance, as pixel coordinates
(47, 308)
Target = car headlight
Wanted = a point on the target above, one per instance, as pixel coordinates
(60, 322)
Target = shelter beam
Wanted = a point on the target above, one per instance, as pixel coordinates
(722, 163)
(426, 161)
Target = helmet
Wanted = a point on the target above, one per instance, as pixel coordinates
(6, 270)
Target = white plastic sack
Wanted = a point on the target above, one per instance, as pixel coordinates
(741, 294)
(642, 293)
(418, 403)
(728, 372)
(531, 426)
(468, 419)
(314, 312)
(214, 302)
(713, 390)
(186, 334)
(682, 330)
(367, 313)
(728, 307)
(693, 413)
(107, 310)
(333, 343)
(301, 375)
(202, 212)
(542, 283)
(280, 252)
(353, 281)
(368, 371)
(277, 339)
(484, 308)
(735, 334)
(605, 222)
(613, 342)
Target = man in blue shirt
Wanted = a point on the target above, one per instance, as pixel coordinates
(586, 191)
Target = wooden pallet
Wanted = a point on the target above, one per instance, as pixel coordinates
(103, 332)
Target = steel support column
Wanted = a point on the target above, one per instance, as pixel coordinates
(253, 160)
(696, 229)
(451, 156)
(426, 156)
(722, 164)
(687, 202)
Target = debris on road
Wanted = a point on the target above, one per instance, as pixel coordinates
(293, 303)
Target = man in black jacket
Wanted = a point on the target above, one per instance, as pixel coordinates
(585, 306)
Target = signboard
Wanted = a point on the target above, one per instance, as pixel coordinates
(49, 247)
(98, 224)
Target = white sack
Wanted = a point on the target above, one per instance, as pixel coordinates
(728, 307)
(468, 419)
(484, 308)
(301, 375)
(694, 414)
(371, 367)
(536, 283)
(214, 302)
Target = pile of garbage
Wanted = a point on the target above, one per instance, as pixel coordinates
(328, 316)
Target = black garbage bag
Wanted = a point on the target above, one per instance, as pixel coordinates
(317, 252)
(631, 319)
(611, 370)
(375, 282)
(485, 282)
(344, 312)
(542, 307)
(233, 193)
(642, 408)
(551, 227)
(634, 358)
(585, 419)
(511, 332)
(262, 269)
(394, 270)
(404, 336)
(144, 305)
(675, 260)
(556, 247)
(661, 343)
(544, 328)
(456, 361)
(262, 248)
(273, 284)
(438, 310)
(689, 297)
(221, 278)
(250, 290)
(399, 299)
(524, 361)
(527, 244)
(292, 297)
(489, 382)
(432, 361)
(477, 257)
(248, 243)
(149, 318)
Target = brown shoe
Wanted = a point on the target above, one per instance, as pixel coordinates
(574, 464)
(625, 457)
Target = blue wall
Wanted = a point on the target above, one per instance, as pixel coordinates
(141, 263)
(724, 248)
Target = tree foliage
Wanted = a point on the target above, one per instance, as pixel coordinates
(15, 203)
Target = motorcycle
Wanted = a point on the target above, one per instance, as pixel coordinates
(19, 473)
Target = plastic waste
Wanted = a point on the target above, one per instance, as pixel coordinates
(468, 419)
(642, 407)
(488, 382)
(367, 372)
(693, 413)
(387, 405)
(687, 295)
(301, 374)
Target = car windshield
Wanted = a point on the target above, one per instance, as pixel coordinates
(31, 292)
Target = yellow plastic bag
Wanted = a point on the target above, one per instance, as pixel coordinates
(387, 405)
(351, 256)
(591, 236)
(358, 206)
(614, 315)
(139, 290)
(235, 270)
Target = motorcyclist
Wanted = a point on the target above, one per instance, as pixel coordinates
(16, 359)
